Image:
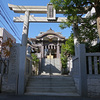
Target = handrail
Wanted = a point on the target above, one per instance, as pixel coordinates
(93, 54)
(74, 58)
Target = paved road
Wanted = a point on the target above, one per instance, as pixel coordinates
(30, 97)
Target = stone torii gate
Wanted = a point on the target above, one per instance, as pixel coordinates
(26, 19)
(49, 10)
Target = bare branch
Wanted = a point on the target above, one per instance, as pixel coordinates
(88, 3)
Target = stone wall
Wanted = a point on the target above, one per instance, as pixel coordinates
(9, 81)
(5, 88)
(93, 85)
(76, 80)
(75, 71)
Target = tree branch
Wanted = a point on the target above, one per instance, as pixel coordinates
(89, 26)
(88, 3)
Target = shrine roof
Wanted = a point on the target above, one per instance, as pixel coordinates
(50, 32)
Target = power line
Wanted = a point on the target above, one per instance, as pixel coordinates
(10, 20)
(10, 26)
(4, 26)
(7, 15)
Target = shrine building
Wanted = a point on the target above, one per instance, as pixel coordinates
(48, 44)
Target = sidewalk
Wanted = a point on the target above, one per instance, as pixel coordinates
(30, 97)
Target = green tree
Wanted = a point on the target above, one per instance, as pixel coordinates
(35, 60)
(75, 9)
(66, 50)
(63, 56)
(69, 45)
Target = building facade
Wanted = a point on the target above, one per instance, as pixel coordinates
(4, 35)
(48, 44)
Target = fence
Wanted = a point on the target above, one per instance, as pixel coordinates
(4, 63)
(93, 63)
(86, 72)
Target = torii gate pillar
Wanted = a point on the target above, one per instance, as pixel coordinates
(25, 28)
(22, 60)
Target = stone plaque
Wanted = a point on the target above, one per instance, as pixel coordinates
(13, 65)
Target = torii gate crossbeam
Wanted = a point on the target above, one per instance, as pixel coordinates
(49, 10)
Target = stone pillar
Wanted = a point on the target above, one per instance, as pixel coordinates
(25, 28)
(45, 47)
(82, 71)
(22, 56)
(58, 50)
(13, 72)
(22, 69)
(45, 51)
(51, 46)
(75, 29)
(54, 47)
(48, 46)
(42, 50)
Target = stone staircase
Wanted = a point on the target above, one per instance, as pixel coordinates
(56, 85)
(51, 66)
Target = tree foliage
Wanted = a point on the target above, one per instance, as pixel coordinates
(95, 48)
(75, 9)
(66, 50)
(35, 60)
(6, 46)
(69, 45)
(63, 56)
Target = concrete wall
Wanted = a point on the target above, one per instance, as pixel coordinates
(9, 81)
(1, 32)
(4, 35)
(76, 80)
(16, 70)
(93, 85)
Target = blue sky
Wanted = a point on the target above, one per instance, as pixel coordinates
(34, 28)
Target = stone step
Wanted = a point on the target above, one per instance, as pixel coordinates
(51, 69)
(51, 66)
(52, 80)
(53, 94)
(50, 77)
(43, 73)
(50, 84)
(51, 89)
